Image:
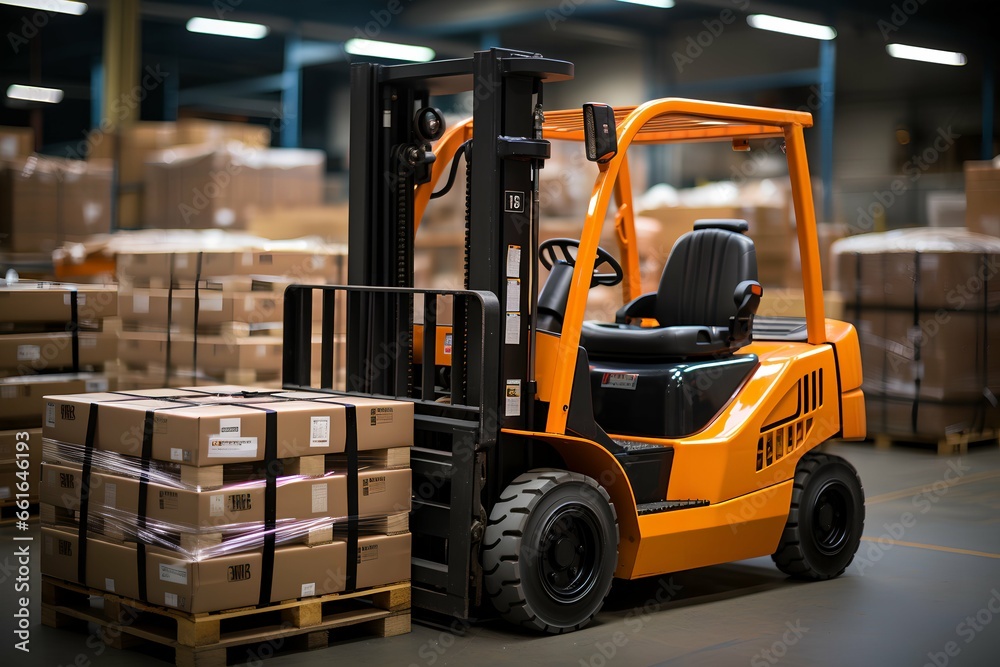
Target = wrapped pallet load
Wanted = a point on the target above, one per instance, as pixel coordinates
(926, 303)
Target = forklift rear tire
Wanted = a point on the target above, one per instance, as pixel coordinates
(550, 550)
(825, 521)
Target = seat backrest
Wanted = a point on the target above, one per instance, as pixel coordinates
(702, 272)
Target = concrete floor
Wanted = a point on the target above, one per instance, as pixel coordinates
(913, 594)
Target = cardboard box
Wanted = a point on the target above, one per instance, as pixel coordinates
(192, 187)
(200, 435)
(47, 352)
(149, 307)
(149, 349)
(382, 423)
(230, 581)
(19, 441)
(982, 197)
(16, 142)
(948, 352)
(328, 222)
(232, 508)
(43, 302)
(262, 353)
(22, 401)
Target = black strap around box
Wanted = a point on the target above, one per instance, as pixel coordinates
(917, 343)
(351, 450)
(88, 459)
(74, 315)
(194, 326)
(170, 319)
(140, 545)
(272, 470)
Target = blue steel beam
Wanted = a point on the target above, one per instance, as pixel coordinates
(827, 81)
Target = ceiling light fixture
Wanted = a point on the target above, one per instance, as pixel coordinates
(391, 50)
(661, 4)
(34, 94)
(905, 52)
(57, 6)
(227, 28)
(790, 27)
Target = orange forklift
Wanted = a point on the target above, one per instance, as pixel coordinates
(552, 454)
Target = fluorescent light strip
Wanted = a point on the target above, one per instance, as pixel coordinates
(34, 94)
(227, 28)
(905, 52)
(790, 27)
(661, 4)
(57, 6)
(371, 48)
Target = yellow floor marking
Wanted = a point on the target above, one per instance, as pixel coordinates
(914, 490)
(931, 547)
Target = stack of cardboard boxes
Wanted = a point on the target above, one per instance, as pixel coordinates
(926, 303)
(54, 338)
(213, 498)
(47, 201)
(204, 186)
(215, 315)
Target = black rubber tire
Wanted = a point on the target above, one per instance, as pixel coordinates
(826, 519)
(537, 516)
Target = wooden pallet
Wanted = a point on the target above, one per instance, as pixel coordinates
(213, 639)
(8, 512)
(949, 445)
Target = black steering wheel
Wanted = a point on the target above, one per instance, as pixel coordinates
(547, 255)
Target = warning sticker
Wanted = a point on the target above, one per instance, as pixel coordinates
(319, 431)
(513, 261)
(620, 380)
(381, 416)
(173, 574)
(367, 552)
(513, 294)
(512, 404)
(29, 353)
(372, 485)
(168, 500)
(447, 343)
(50, 413)
(222, 447)
(512, 332)
(308, 590)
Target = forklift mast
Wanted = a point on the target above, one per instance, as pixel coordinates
(459, 465)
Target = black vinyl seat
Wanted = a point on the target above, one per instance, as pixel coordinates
(707, 297)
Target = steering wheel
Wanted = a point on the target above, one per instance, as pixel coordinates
(547, 255)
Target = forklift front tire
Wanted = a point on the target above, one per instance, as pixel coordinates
(825, 521)
(550, 550)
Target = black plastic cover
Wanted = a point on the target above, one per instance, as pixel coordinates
(670, 400)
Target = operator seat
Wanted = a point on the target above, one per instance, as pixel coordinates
(705, 304)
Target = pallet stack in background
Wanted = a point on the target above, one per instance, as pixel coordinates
(213, 315)
(926, 304)
(54, 338)
(198, 500)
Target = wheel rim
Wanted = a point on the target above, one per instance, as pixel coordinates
(832, 517)
(570, 553)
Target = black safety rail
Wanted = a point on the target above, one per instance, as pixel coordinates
(453, 433)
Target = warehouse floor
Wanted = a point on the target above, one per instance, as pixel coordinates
(914, 593)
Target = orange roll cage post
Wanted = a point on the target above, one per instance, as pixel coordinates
(664, 121)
